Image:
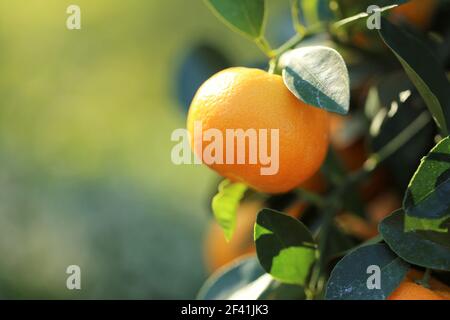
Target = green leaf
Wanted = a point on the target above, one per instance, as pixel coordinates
(423, 68)
(350, 278)
(225, 204)
(232, 278)
(318, 76)
(284, 246)
(427, 201)
(244, 16)
(428, 249)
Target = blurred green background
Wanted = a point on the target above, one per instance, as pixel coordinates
(85, 170)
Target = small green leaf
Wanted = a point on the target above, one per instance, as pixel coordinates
(230, 279)
(225, 204)
(428, 249)
(350, 278)
(423, 69)
(427, 201)
(284, 246)
(244, 16)
(318, 76)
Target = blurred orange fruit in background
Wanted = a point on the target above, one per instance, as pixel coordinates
(416, 12)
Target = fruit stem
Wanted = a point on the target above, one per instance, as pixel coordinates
(290, 44)
(273, 63)
(265, 47)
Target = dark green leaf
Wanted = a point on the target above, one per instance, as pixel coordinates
(349, 279)
(318, 76)
(428, 249)
(427, 200)
(245, 16)
(225, 204)
(284, 246)
(423, 69)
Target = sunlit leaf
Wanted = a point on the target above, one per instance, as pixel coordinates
(284, 246)
(427, 201)
(225, 204)
(318, 76)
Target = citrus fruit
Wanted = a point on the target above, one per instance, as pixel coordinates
(252, 100)
(410, 290)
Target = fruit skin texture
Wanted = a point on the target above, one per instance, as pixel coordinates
(243, 98)
(409, 290)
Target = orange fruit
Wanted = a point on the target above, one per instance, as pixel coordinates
(252, 99)
(417, 12)
(410, 290)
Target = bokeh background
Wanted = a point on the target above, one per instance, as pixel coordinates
(85, 124)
